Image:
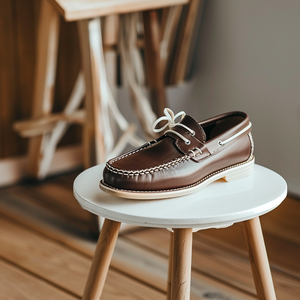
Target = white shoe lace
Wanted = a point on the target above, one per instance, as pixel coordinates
(171, 118)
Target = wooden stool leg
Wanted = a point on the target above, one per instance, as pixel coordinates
(170, 268)
(259, 260)
(45, 70)
(101, 261)
(182, 263)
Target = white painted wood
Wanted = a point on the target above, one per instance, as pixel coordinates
(66, 159)
(134, 75)
(220, 204)
(87, 9)
(61, 127)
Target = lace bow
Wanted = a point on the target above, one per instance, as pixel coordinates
(171, 123)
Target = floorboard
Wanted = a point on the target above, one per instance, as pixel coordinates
(61, 266)
(17, 284)
(224, 264)
(135, 261)
(45, 253)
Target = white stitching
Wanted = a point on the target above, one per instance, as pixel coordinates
(180, 188)
(167, 165)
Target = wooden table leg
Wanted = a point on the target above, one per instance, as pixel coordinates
(93, 133)
(101, 261)
(45, 69)
(259, 260)
(185, 42)
(182, 263)
(153, 62)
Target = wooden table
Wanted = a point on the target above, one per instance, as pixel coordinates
(93, 84)
(45, 129)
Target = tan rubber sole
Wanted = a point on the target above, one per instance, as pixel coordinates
(229, 174)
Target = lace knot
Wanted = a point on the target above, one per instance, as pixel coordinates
(171, 123)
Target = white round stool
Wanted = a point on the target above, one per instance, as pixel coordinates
(219, 205)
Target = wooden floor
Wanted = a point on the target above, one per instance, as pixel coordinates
(43, 256)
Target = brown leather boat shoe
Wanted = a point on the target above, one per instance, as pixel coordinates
(187, 157)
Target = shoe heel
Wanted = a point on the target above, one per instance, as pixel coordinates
(240, 171)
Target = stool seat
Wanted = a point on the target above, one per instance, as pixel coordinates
(220, 204)
(74, 10)
(216, 206)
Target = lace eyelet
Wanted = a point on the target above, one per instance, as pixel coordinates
(220, 143)
(188, 142)
(193, 133)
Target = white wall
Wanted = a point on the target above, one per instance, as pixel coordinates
(248, 58)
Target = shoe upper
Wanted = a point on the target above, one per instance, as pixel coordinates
(184, 155)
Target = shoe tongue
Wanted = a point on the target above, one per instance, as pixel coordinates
(194, 125)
